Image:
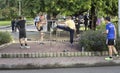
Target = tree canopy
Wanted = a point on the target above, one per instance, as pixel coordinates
(10, 8)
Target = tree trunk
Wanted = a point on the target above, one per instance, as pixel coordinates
(93, 16)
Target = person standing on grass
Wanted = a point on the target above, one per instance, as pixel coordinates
(111, 36)
(22, 32)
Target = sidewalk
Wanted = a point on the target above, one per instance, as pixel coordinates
(53, 54)
(59, 62)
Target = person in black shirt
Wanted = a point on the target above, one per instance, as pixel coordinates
(22, 32)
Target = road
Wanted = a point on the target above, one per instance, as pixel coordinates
(28, 28)
(113, 69)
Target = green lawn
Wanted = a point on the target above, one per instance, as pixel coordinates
(5, 23)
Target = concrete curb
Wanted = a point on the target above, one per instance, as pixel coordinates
(58, 65)
(5, 45)
(51, 54)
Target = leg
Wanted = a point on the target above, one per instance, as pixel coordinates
(25, 40)
(114, 50)
(12, 27)
(71, 36)
(110, 51)
(63, 27)
(21, 43)
(26, 45)
(77, 28)
(41, 37)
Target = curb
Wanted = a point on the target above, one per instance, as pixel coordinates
(5, 45)
(57, 65)
(51, 55)
(3, 27)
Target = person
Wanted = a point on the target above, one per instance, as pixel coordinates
(13, 25)
(37, 19)
(111, 36)
(86, 21)
(22, 32)
(69, 26)
(80, 21)
(42, 27)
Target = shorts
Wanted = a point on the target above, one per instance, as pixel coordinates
(43, 28)
(110, 42)
(22, 33)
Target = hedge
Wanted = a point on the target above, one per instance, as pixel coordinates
(5, 37)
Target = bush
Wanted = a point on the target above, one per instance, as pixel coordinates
(118, 44)
(5, 37)
(93, 41)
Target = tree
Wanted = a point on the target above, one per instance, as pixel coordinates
(64, 7)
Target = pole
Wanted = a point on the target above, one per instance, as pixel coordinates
(19, 7)
(119, 18)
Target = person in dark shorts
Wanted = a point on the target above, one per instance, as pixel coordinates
(111, 36)
(22, 33)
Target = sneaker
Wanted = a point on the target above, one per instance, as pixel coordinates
(27, 46)
(108, 59)
(21, 47)
(117, 56)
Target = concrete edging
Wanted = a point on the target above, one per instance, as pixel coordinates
(52, 54)
(5, 45)
(57, 65)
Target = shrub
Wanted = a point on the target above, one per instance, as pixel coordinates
(93, 41)
(5, 37)
(118, 44)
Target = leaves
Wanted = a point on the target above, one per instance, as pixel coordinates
(65, 7)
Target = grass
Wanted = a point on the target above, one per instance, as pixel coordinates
(5, 23)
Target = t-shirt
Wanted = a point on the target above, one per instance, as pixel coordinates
(111, 31)
(21, 24)
(70, 24)
(37, 19)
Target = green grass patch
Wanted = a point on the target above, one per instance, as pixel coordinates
(5, 23)
(5, 37)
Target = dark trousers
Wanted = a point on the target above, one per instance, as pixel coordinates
(13, 27)
(78, 28)
(68, 29)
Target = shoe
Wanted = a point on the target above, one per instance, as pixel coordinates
(21, 47)
(117, 56)
(108, 59)
(27, 46)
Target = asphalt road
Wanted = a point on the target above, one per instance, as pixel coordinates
(113, 69)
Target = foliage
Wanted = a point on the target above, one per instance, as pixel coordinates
(93, 41)
(5, 37)
(30, 8)
(118, 44)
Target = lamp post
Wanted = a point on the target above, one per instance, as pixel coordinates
(19, 8)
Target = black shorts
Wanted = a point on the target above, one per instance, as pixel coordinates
(40, 28)
(110, 41)
(22, 33)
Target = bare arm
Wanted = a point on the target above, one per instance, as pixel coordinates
(105, 32)
(115, 32)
